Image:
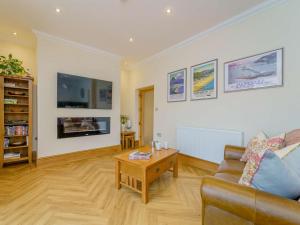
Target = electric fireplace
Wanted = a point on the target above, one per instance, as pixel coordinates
(82, 126)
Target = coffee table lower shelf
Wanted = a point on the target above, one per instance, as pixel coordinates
(135, 185)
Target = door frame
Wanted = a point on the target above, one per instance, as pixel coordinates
(141, 97)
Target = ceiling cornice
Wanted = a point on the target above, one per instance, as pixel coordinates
(233, 20)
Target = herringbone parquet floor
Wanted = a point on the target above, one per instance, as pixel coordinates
(83, 192)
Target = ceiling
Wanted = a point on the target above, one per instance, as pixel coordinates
(109, 24)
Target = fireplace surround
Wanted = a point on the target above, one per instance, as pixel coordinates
(82, 126)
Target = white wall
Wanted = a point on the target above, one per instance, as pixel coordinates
(273, 110)
(57, 55)
(125, 85)
(22, 52)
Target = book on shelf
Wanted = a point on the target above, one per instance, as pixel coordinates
(6, 142)
(9, 84)
(136, 155)
(16, 130)
(15, 122)
(10, 155)
(10, 101)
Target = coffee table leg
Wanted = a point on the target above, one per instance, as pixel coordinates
(145, 187)
(175, 169)
(118, 174)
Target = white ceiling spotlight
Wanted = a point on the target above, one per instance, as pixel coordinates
(131, 40)
(14, 33)
(57, 10)
(168, 11)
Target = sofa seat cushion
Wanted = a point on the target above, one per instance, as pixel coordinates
(231, 166)
(228, 177)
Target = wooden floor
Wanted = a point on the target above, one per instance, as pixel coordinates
(83, 192)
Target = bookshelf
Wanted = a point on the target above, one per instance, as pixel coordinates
(15, 120)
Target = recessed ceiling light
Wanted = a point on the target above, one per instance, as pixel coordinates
(57, 10)
(131, 39)
(168, 11)
(15, 33)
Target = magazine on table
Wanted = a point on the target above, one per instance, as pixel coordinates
(136, 155)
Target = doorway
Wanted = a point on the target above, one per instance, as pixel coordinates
(146, 115)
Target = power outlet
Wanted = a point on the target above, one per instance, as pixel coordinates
(158, 134)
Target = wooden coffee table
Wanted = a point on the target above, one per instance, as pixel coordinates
(139, 174)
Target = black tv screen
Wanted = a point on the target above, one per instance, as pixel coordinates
(81, 92)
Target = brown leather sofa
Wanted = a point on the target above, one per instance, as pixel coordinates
(225, 202)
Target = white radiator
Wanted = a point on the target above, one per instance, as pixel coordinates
(207, 144)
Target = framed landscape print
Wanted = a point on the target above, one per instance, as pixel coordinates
(177, 86)
(204, 80)
(258, 71)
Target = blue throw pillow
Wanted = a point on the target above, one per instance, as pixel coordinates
(279, 176)
(292, 160)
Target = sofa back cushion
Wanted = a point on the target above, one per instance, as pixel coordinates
(292, 137)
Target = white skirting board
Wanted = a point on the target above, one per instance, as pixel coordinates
(207, 144)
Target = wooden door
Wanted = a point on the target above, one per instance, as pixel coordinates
(141, 110)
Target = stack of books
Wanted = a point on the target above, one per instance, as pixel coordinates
(16, 130)
(136, 155)
(11, 155)
(7, 84)
(10, 101)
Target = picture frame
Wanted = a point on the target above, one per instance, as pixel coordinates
(204, 80)
(176, 85)
(262, 70)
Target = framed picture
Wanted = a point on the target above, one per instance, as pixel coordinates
(258, 71)
(177, 86)
(204, 80)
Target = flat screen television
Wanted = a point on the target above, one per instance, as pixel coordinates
(82, 92)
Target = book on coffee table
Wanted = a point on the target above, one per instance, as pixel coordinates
(136, 155)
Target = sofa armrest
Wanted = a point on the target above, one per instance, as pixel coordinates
(229, 197)
(272, 209)
(248, 203)
(233, 152)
